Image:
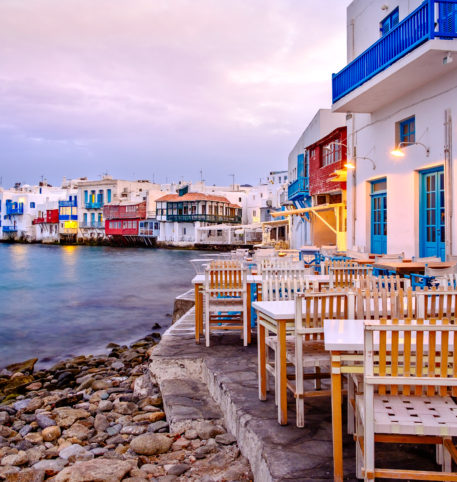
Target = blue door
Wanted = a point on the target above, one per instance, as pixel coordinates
(432, 229)
(447, 19)
(379, 216)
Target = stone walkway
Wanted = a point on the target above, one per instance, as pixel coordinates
(191, 376)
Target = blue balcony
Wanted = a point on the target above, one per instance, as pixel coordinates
(298, 188)
(9, 229)
(68, 204)
(94, 205)
(434, 19)
(92, 224)
(14, 208)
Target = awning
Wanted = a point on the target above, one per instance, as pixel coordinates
(300, 211)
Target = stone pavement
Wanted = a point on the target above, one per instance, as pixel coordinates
(191, 376)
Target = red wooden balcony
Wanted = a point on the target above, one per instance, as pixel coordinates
(52, 216)
(125, 211)
(38, 221)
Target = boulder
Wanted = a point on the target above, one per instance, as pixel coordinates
(51, 433)
(25, 366)
(151, 444)
(95, 471)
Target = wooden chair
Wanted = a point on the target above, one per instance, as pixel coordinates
(346, 276)
(225, 297)
(409, 381)
(444, 277)
(307, 351)
(436, 303)
(390, 283)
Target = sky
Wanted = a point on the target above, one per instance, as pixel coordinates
(161, 89)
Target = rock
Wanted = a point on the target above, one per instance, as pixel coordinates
(51, 433)
(178, 469)
(6, 408)
(25, 366)
(143, 386)
(50, 467)
(35, 454)
(75, 452)
(133, 429)
(21, 404)
(65, 416)
(78, 430)
(27, 475)
(101, 423)
(16, 459)
(34, 437)
(124, 408)
(191, 434)
(6, 431)
(206, 430)
(114, 430)
(225, 439)
(151, 444)
(180, 444)
(152, 469)
(34, 386)
(15, 384)
(105, 406)
(202, 452)
(84, 382)
(34, 404)
(4, 418)
(25, 430)
(99, 451)
(44, 421)
(100, 385)
(154, 400)
(149, 417)
(117, 365)
(94, 471)
(158, 426)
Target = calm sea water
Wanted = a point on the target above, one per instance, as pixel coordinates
(58, 301)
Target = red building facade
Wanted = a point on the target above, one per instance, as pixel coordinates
(325, 156)
(123, 219)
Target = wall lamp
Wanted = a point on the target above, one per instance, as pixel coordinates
(399, 152)
(350, 164)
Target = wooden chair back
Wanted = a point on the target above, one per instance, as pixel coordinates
(225, 279)
(436, 303)
(390, 283)
(311, 309)
(329, 263)
(346, 275)
(284, 285)
(376, 304)
(410, 357)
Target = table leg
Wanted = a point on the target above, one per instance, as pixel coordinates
(249, 302)
(282, 374)
(337, 418)
(198, 312)
(262, 360)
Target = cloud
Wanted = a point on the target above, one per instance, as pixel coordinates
(164, 86)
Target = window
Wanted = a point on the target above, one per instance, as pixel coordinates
(407, 130)
(86, 196)
(32, 205)
(85, 218)
(331, 153)
(389, 22)
(184, 231)
(108, 195)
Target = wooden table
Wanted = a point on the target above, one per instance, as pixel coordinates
(198, 282)
(408, 267)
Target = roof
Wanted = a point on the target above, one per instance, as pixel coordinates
(195, 196)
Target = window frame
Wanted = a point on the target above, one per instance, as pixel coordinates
(409, 137)
(387, 21)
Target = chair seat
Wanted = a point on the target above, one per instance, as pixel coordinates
(314, 353)
(272, 340)
(411, 415)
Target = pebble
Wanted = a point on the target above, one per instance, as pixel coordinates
(101, 423)
(51, 433)
(178, 469)
(73, 451)
(16, 459)
(44, 421)
(133, 429)
(114, 429)
(151, 444)
(105, 406)
(225, 439)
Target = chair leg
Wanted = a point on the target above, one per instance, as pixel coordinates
(368, 435)
(245, 326)
(207, 324)
(350, 407)
(358, 447)
(446, 463)
(276, 372)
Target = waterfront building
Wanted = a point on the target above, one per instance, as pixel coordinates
(93, 195)
(68, 216)
(122, 219)
(22, 206)
(181, 213)
(309, 162)
(45, 227)
(399, 93)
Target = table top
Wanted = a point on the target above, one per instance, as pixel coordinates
(278, 310)
(395, 265)
(252, 278)
(347, 335)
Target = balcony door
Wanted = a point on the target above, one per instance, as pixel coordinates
(432, 217)
(379, 216)
(448, 19)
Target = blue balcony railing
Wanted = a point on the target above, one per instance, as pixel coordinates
(68, 204)
(14, 208)
(94, 205)
(300, 187)
(434, 18)
(93, 224)
(9, 229)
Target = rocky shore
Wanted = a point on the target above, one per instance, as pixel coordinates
(101, 418)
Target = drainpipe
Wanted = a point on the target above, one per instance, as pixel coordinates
(448, 182)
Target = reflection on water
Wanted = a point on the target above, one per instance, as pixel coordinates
(57, 301)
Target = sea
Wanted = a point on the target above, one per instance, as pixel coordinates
(62, 301)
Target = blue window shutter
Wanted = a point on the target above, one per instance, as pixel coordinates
(300, 165)
(448, 16)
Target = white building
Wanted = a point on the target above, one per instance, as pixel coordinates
(322, 124)
(23, 211)
(399, 89)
